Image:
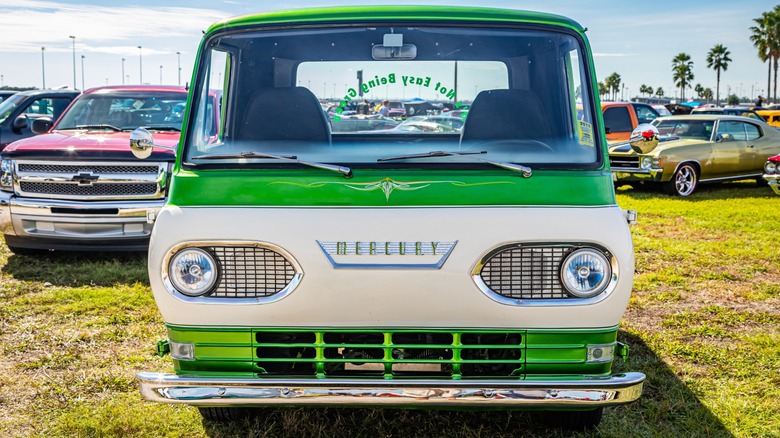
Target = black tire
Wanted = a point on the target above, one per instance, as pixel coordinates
(684, 181)
(222, 414)
(573, 420)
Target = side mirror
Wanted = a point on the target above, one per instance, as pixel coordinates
(142, 145)
(19, 123)
(644, 138)
(722, 137)
(41, 126)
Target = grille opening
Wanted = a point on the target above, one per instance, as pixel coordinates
(251, 272)
(87, 167)
(285, 338)
(526, 272)
(491, 339)
(422, 338)
(95, 211)
(497, 361)
(354, 338)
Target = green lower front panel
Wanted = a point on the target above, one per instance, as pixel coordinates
(390, 353)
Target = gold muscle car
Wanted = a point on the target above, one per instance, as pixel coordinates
(697, 149)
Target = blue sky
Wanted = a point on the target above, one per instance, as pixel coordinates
(635, 39)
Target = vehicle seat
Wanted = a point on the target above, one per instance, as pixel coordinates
(284, 114)
(505, 114)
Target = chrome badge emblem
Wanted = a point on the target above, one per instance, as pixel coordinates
(387, 255)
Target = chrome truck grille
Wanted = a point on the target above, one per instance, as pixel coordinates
(623, 162)
(91, 181)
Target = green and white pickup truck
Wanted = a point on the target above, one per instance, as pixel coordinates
(485, 267)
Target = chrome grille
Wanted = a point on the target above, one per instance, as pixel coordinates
(526, 272)
(250, 272)
(624, 162)
(69, 168)
(74, 189)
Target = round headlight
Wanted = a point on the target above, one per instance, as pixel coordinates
(585, 273)
(770, 168)
(193, 272)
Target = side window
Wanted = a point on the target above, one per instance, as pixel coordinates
(40, 107)
(734, 130)
(644, 114)
(617, 119)
(753, 133)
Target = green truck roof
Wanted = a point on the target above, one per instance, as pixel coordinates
(384, 13)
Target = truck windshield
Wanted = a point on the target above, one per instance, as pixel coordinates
(357, 95)
(126, 111)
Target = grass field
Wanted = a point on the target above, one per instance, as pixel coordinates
(703, 324)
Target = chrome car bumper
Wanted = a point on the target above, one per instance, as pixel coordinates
(533, 394)
(774, 182)
(107, 223)
(638, 174)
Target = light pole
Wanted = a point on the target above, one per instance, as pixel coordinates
(123, 71)
(160, 75)
(43, 67)
(73, 37)
(141, 65)
(82, 72)
(178, 65)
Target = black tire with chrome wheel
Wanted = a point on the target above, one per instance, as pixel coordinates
(684, 180)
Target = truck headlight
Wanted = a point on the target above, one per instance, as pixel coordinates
(6, 174)
(193, 272)
(585, 273)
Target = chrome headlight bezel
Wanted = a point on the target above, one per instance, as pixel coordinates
(6, 174)
(581, 268)
(200, 265)
(771, 168)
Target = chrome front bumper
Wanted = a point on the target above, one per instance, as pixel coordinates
(637, 174)
(774, 182)
(585, 393)
(76, 222)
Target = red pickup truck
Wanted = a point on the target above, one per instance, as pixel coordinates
(620, 118)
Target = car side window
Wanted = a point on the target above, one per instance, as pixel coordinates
(734, 130)
(40, 107)
(644, 114)
(617, 119)
(753, 133)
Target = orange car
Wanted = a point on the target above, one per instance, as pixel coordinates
(620, 118)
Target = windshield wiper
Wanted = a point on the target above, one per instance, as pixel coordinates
(91, 127)
(161, 128)
(526, 171)
(346, 171)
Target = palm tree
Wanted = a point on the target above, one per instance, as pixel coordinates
(682, 69)
(602, 89)
(760, 39)
(659, 92)
(698, 89)
(612, 82)
(718, 59)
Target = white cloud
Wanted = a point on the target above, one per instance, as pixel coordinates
(27, 25)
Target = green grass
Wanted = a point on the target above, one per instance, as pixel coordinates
(703, 325)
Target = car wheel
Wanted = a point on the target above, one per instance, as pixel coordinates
(684, 181)
(573, 420)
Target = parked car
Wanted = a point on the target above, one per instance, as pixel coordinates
(78, 187)
(357, 123)
(772, 117)
(296, 266)
(728, 111)
(662, 110)
(5, 94)
(442, 123)
(772, 173)
(620, 118)
(698, 149)
(19, 110)
(397, 109)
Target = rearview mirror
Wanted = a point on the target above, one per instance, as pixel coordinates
(644, 138)
(142, 144)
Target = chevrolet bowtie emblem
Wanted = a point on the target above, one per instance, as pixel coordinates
(85, 178)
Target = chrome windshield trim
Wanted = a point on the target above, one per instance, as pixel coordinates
(585, 391)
